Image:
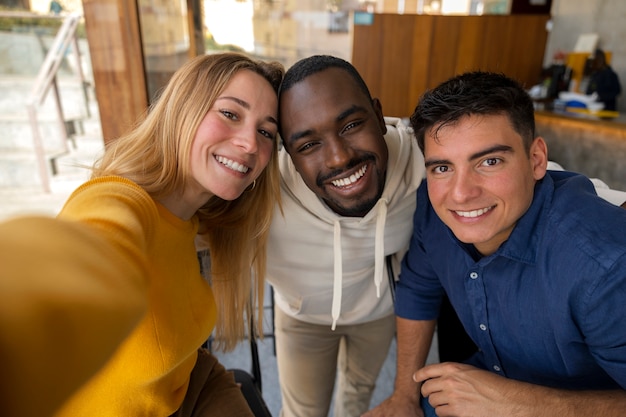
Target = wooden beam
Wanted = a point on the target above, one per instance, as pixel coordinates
(114, 38)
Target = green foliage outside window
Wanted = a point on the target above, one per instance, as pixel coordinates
(44, 25)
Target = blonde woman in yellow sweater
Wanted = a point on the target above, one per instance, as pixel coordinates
(103, 310)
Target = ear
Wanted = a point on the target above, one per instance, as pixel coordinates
(539, 158)
(378, 109)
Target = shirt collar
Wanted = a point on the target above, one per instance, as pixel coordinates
(524, 241)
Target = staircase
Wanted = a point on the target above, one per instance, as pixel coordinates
(18, 162)
(19, 165)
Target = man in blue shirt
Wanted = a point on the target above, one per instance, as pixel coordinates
(532, 260)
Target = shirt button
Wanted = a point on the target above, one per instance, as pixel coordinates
(473, 275)
(496, 368)
(483, 327)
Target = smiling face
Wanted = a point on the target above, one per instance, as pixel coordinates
(235, 140)
(335, 136)
(481, 179)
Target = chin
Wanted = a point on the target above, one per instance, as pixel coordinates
(229, 195)
(470, 238)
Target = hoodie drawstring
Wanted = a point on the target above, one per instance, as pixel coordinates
(379, 259)
(379, 249)
(337, 281)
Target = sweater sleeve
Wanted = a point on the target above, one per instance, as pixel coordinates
(71, 290)
(419, 292)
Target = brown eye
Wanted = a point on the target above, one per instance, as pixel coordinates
(229, 115)
(269, 135)
(492, 161)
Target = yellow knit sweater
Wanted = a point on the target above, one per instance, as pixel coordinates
(114, 280)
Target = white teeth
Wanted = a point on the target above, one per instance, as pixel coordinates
(235, 166)
(473, 213)
(351, 179)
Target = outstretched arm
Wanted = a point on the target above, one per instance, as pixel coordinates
(465, 391)
(66, 302)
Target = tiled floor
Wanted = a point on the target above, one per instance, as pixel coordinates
(241, 358)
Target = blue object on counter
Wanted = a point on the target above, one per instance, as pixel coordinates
(575, 103)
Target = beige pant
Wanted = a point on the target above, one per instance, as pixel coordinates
(212, 391)
(309, 356)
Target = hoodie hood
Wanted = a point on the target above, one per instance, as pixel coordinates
(342, 253)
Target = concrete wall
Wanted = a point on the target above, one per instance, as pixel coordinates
(594, 148)
(604, 17)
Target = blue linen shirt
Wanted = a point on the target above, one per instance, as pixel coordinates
(549, 306)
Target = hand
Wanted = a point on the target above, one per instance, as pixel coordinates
(460, 390)
(397, 405)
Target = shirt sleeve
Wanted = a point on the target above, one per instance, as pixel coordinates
(603, 318)
(419, 292)
(71, 289)
(615, 197)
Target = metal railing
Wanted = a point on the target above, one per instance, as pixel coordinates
(47, 79)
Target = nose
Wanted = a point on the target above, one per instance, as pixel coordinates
(338, 152)
(465, 186)
(247, 139)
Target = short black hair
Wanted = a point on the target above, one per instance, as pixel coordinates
(316, 63)
(599, 56)
(476, 92)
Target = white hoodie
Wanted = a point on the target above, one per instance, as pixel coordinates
(330, 269)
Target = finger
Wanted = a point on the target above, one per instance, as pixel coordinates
(426, 389)
(427, 372)
(428, 407)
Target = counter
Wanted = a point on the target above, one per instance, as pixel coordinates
(586, 144)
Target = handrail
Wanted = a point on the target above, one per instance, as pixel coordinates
(54, 58)
(46, 78)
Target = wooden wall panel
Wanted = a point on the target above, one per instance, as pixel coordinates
(534, 37)
(443, 54)
(396, 78)
(419, 63)
(400, 63)
(517, 62)
(471, 45)
(368, 58)
(497, 43)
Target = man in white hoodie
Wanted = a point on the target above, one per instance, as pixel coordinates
(349, 177)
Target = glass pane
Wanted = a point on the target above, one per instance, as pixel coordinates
(165, 39)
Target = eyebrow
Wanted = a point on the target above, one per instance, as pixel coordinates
(343, 115)
(477, 155)
(246, 106)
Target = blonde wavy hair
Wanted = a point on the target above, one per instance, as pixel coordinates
(155, 155)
